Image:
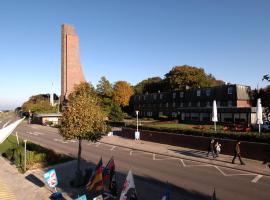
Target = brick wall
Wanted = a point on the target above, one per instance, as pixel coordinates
(250, 150)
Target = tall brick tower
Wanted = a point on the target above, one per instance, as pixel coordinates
(71, 71)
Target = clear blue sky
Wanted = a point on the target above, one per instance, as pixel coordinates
(131, 40)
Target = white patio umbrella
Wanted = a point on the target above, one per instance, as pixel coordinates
(259, 118)
(214, 114)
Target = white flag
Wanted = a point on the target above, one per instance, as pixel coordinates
(259, 118)
(6, 131)
(129, 191)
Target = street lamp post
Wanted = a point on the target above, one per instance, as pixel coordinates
(25, 155)
(137, 133)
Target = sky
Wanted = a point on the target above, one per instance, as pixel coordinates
(131, 40)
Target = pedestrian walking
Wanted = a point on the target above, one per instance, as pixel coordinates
(237, 153)
(218, 148)
(211, 148)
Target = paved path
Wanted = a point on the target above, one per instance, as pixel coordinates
(191, 174)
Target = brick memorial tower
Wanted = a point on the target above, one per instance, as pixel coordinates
(71, 71)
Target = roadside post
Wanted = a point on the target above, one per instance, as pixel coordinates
(137, 133)
(25, 155)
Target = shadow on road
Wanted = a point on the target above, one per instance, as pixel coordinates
(35, 180)
(147, 188)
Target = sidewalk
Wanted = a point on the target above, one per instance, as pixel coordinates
(252, 166)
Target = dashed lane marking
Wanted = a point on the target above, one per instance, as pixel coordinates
(60, 140)
(257, 178)
(112, 149)
(98, 143)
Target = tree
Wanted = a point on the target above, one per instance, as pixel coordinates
(83, 119)
(181, 76)
(39, 104)
(104, 87)
(266, 77)
(122, 93)
(150, 85)
(116, 114)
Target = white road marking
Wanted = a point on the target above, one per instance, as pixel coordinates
(6, 124)
(130, 153)
(60, 140)
(258, 177)
(98, 143)
(73, 141)
(154, 156)
(183, 162)
(113, 148)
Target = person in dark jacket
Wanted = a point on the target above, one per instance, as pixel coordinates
(237, 153)
(211, 148)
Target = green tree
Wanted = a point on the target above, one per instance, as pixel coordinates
(266, 77)
(104, 87)
(122, 93)
(181, 76)
(150, 85)
(39, 104)
(83, 119)
(116, 114)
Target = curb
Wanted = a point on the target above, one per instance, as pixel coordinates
(190, 159)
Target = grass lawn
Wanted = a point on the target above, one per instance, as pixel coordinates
(169, 125)
(10, 142)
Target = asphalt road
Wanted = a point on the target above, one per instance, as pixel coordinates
(187, 180)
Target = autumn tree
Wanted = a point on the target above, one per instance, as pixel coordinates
(83, 119)
(122, 93)
(181, 76)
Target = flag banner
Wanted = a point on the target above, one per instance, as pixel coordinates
(95, 183)
(83, 197)
(214, 195)
(51, 178)
(166, 195)
(6, 131)
(214, 112)
(129, 191)
(109, 178)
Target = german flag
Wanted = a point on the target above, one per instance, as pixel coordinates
(95, 183)
(109, 178)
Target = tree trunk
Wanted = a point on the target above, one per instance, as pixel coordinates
(79, 176)
(79, 156)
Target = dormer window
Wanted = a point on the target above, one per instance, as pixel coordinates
(208, 92)
(230, 90)
(181, 94)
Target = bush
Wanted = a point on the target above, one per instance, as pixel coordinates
(36, 155)
(244, 136)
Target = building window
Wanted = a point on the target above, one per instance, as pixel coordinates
(198, 104)
(198, 93)
(218, 103)
(160, 96)
(208, 92)
(174, 114)
(160, 105)
(230, 90)
(167, 105)
(174, 95)
(189, 104)
(181, 104)
(208, 104)
(173, 105)
(139, 98)
(181, 94)
(230, 104)
(155, 96)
